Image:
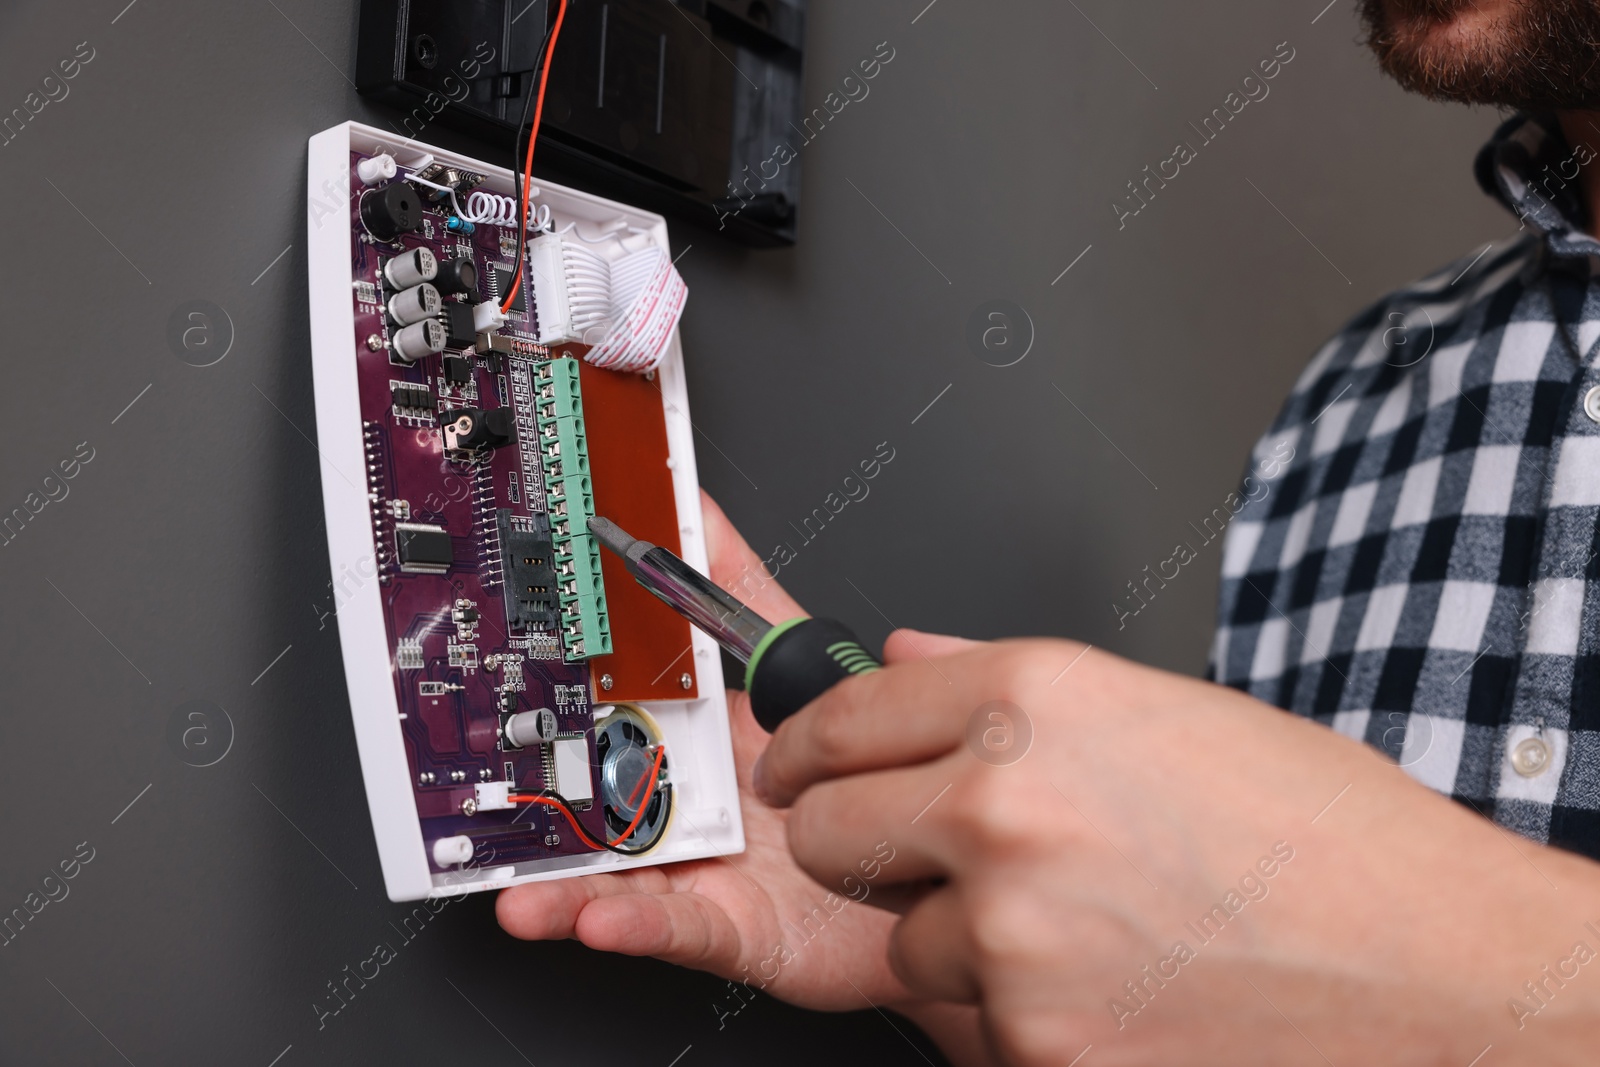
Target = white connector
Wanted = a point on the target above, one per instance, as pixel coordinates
(493, 796)
(571, 290)
(487, 316)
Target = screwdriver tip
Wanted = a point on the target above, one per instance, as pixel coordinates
(610, 534)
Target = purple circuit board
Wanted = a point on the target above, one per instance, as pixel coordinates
(458, 666)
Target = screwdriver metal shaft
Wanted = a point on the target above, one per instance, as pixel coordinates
(686, 590)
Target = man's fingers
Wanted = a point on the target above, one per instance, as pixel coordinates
(930, 950)
(548, 911)
(911, 712)
(904, 645)
(636, 913)
(736, 567)
(866, 831)
(680, 928)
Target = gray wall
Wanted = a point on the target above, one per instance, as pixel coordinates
(189, 551)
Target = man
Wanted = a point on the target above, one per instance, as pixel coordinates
(1176, 872)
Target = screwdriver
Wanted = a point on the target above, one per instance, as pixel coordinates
(787, 665)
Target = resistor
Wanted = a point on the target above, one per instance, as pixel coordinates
(457, 224)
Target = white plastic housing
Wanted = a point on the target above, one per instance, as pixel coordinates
(706, 818)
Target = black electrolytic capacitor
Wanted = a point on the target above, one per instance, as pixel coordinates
(457, 275)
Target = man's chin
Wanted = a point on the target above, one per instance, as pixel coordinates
(1451, 26)
(1429, 11)
(1527, 54)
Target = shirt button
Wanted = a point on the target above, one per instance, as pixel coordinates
(1591, 404)
(1531, 757)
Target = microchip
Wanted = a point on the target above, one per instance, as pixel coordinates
(459, 331)
(457, 370)
(502, 282)
(423, 549)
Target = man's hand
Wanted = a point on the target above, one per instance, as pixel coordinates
(731, 916)
(1176, 873)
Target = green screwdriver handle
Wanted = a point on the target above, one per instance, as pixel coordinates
(799, 660)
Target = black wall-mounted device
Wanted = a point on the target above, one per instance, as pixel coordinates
(669, 104)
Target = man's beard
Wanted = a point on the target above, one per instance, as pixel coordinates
(1539, 55)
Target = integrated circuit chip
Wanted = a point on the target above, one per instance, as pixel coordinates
(423, 549)
(502, 282)
(459, 331)
(457, 369)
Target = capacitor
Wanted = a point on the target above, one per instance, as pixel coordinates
(415, 304)
(452, 851)
(532, 727)
(457, 275)
(419, 340)
(377, 170)
(415, 267)
(390, 211)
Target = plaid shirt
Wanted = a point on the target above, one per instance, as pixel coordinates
(1415, 558)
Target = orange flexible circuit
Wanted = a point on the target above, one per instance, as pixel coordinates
(527, 166)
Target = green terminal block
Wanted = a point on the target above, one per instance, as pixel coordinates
(564, 448)
(569, 497)
(560, 394)
(585, 620)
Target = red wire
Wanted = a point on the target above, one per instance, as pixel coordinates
(655, 769)
(588, 839)
(533, 136)
(633, 796)
(582, 833)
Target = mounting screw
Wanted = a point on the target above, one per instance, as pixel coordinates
(469, 806)
(374, 341)
(686, 680)
(606, 682)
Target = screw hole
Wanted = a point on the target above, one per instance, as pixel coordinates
(426, 51)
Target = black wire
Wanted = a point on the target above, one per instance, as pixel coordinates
(664, 789)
